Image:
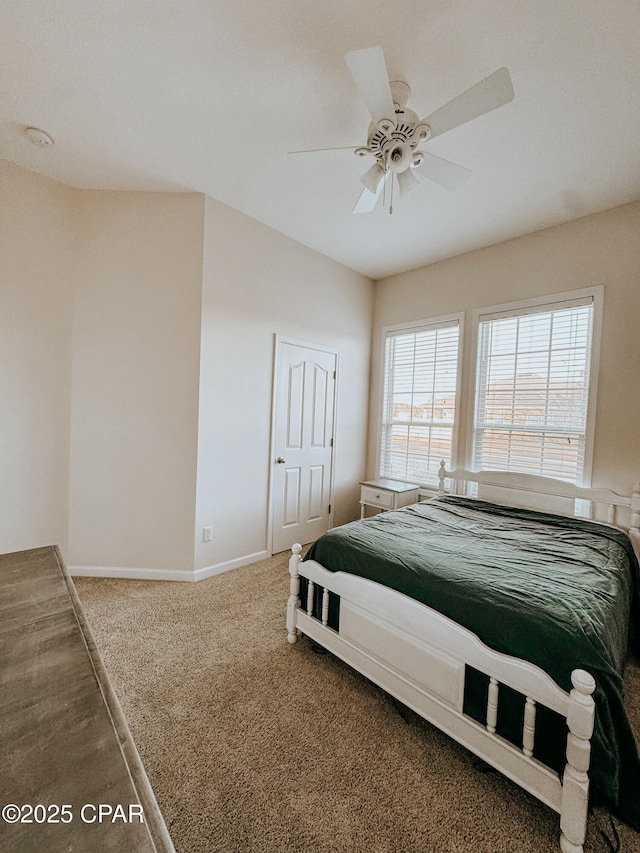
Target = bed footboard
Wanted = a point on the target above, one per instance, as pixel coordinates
(420, 657)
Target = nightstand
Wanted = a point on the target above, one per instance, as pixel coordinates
(386, 494)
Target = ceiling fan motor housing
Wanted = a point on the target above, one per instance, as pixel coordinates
(394, 147)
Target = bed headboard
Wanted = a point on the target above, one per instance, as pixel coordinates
(546, 493)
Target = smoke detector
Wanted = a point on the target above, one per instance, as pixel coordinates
(38, 137)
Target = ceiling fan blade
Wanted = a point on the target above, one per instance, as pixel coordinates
(321, 150)
(494, 91)
(368, 199)
(369, 70)
(449, 175)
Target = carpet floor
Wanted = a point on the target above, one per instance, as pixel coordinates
(255, 746)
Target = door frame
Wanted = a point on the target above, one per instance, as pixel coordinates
(278, 341)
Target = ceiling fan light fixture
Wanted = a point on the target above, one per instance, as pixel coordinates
(406, 181)
(372, 177)
(397, 155)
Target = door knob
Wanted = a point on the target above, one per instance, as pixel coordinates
(281, 460)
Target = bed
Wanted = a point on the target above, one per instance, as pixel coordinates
(504, 619)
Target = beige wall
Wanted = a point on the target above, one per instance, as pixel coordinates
(36, 277)
(257, 283)
(134, 413)
(132, 324)
(110, 435)
(599, 249)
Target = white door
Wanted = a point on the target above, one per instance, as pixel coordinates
(303, 443)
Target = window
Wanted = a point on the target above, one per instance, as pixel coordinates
(533, 389)
(419, 414)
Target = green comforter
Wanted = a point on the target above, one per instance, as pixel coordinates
(559, 592)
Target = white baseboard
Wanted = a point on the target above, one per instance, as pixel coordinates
(165, 574)
(219, 568)
(132, 574)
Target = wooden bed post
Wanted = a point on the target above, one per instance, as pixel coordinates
(441, 472)
(294, 593)
(575, 783)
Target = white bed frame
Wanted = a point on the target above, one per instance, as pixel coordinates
(418, 655)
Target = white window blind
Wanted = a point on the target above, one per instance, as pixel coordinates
(419, 402)
(532, 390)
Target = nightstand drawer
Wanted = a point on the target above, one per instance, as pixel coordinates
(377, 497)
(386, 493)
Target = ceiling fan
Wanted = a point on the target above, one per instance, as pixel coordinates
(396, 131)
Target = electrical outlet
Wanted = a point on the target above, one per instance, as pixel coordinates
(207, 533)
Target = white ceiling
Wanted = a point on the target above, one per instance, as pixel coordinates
(210, 95)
